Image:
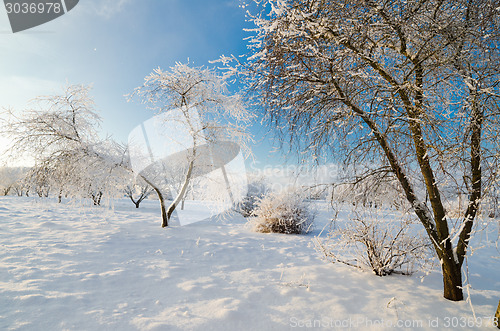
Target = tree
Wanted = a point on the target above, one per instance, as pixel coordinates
(379, 188)
(197, 100)
(9, 179)
(39, 181)
(101, 177)
(137, 191)
(54, 124)
(60, 134)
(412, 83)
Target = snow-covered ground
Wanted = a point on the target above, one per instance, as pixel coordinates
(64, 267)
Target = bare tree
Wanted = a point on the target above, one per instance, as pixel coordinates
(137, 191)
(412, 83)
(207, 110)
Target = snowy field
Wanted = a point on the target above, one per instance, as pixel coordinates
(64, 267)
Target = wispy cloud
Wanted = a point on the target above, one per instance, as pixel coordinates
(106, 8)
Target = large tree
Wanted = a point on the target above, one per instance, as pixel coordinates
(410, 87)
(59, 134)
(196, 100)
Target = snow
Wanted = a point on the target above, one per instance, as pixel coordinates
(67, 267)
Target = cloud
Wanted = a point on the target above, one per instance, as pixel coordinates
(106, 8)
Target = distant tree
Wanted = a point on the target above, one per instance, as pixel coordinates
(412, 83)
(201, 95)
(20, 188)
(9, 179)
(375, 189)
(137, 191)
(257, 188)
(39, 181)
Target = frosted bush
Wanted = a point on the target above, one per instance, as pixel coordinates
(383, 247)
(248, 204)
(283, 212)
(257, 188)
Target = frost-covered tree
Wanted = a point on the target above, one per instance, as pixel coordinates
(39, 181)
(54, 124)
(60, 134)
(207, 109)
(376, 189)
(412, 83)
(101, 177)
(10, 178)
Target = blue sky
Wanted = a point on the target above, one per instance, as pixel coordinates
(113, 45)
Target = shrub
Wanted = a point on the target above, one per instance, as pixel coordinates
(257, 188)
(248, 204)
(283, 212)
(384, 247)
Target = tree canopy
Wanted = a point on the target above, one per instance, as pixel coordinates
(405, 87)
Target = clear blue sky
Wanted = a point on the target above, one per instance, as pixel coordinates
(114, 44)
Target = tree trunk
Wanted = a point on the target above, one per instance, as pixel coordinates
(164, 218)
(182, 191)
(452, 280)
(137, 204)
(97, 198)
(131, 197)
(497, 316)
